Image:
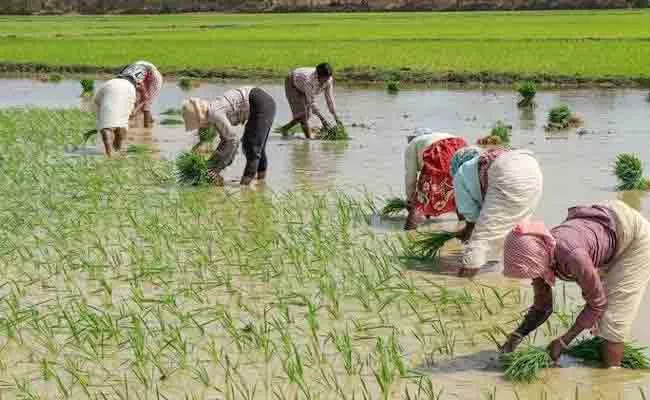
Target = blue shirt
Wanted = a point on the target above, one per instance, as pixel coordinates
(467, 190)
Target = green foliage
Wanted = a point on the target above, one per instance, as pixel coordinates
(392, 87)
(185, 83)
(502, 131)
(55, 78)
(427, 246)
(87, 86)
(559, 115)
(171, 121)
(191, 169)
(524, 365)
(88, 134)
(527, 91)
(629, 172)
(394, 206)
(171, 111)
(336, 132)
(634, 357)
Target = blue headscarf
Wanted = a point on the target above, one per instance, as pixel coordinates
(461, 157)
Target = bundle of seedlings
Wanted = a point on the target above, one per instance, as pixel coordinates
(394, 206)
(392, 87)
(336, 132)
(629, 172)
(88, 134)
(87, 86)
(191, 169)
(185, 83)
(427, 245)
(561, 117)
(171, 121)
(206, 137)
(527, 91)
(171, 111)
(634, 357)
(524, 365)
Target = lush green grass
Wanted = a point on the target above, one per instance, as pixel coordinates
(574, 43)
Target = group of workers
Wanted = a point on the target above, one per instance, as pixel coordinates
(604, 248)
(137, 85)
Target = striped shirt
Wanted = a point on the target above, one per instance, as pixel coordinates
(226, 112)
(146, 74)
(306, 81)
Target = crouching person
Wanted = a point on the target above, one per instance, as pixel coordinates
(115, 102)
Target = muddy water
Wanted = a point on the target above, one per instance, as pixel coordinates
(576, 169)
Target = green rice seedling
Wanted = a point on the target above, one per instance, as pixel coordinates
(138, 149)
(425, 390)
(171, 121)
(527, 91)
(524, 365)
(628, 169)
(171, 111)
(394, 206)
(88, 134)
(502, 131)
(343, 344)
(55, 78)
(294, 130)
(392, 87)
(336, 132)
(634, 357)
(185, 83)
(207, 135)
(191, 169)
(561, 117)
(87, 86)
(427, 245)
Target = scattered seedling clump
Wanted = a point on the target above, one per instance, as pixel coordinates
(87, 86)
(427, 245)
(55, 78)
(527, 91)
(394, 206)
(629, 172)
(392, 87)
(185, 83)
(561, 117)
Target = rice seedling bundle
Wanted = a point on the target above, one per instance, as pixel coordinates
(171, 121)
(336, 132)
(629, 172)
(171, 111)
(561, 117)
(501, 131)
(394, 206)
(185, 83)
(524, 365)
(87, 86)
(55, 78)
(392, 87)
(634, 357)
(88, 134)
(527, 90)
(427, 246)
(191, 169)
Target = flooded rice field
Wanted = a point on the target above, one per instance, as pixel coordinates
(349, 306)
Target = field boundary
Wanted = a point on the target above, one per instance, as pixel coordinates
(352, 75)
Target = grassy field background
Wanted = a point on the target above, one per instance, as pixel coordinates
(583, 44)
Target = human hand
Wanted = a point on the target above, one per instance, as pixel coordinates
(511, 344)
(555, 349)
(463, 235)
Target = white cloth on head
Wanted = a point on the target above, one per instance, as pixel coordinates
(413, 158)
(628, 273)
(513, 193)
(115, 101)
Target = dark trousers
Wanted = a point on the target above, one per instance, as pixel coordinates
(256, 132)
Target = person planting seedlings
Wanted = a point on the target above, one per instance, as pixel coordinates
(494, 191)
(249, 106)
(115, 102)
(302, 86)
(148, 82)
(605, 249)
(427, 178)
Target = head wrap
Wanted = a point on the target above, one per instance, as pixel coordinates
(461, 156)
(528, 252)
(195, 113)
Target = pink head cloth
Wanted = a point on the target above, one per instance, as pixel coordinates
(528, 252)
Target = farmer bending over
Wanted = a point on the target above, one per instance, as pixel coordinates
(428, 181)
(494, 191)
(148, 82)
(302, 86)
(605, 249)
(247, 105)
(115, 101)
